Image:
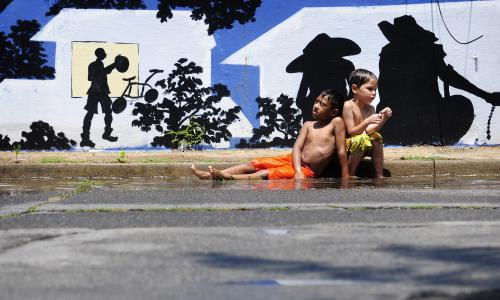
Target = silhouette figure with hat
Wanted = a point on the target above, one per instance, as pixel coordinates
(410, 66)
(98, 93)
(323, 67)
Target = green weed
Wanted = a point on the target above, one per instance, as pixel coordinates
(85, 186)
(189, 136)
(32, 209)
(122, 157)
(17, 149)
(424, 207)
(9, 216)
(276, 208)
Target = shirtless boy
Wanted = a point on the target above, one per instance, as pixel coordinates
(316, 144)
(363, 124)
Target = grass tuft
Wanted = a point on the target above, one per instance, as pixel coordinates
(12, 215)
(32, 209)
(85, 186)
(425, 207)
(122, 157)
(53, 160)
(276, 208)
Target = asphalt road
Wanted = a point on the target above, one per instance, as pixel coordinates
(402, 238)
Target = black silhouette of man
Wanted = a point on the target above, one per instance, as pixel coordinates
(410, 66)
(98, 93)
(323, 67)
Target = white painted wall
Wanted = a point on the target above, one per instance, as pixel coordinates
(160, 46)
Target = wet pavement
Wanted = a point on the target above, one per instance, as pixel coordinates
(181, 238)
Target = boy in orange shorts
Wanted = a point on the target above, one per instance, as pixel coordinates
(316, 144)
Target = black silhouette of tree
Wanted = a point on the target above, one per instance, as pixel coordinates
(6, 52)
(186, 99)
(279, 117)
(217, 14)
(5, 143)
(20, 57)
(4, 4)
(43, 137)
(106, 4)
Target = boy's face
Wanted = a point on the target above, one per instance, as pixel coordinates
(367, 91)
(322, 109)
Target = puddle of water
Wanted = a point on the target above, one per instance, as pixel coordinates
(10, 186)
(35, 185)
(314, 183)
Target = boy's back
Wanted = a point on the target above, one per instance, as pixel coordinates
(358, 114)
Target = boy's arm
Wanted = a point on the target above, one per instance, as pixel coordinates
(351, 126)
(339, 132)
(297, 152)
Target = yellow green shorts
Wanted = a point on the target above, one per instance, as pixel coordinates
(362, 142)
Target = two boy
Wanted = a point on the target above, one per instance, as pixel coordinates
(318, 140)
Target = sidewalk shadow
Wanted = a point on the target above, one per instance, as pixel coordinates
(486, 259)
(483, 258)
(295, 267)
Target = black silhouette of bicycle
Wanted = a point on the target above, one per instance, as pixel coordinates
(150, 94)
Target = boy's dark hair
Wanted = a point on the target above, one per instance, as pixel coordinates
(336, 99)
(360, 77)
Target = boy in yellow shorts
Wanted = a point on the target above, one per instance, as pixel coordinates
(363, 124)
(314, 147)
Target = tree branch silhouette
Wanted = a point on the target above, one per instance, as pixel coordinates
(217, 14)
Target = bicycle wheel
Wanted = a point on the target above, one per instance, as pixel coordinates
(119, 105)
(151, 95)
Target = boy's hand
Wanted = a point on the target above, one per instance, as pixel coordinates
(386, 113)
(299, 175)
(375, 119)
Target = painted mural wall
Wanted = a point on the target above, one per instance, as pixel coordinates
(82, 78)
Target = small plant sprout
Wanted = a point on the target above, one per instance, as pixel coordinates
(122, 157)
(189, 136)
(17, 150)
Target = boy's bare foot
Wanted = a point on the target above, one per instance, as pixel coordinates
(218, 174)
(199, 173)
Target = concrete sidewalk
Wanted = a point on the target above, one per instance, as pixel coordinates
(399, 161)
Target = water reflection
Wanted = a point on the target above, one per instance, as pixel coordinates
(13, 186)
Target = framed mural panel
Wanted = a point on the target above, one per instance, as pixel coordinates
(84, 53)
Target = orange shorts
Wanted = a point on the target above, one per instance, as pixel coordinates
(279, 167)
